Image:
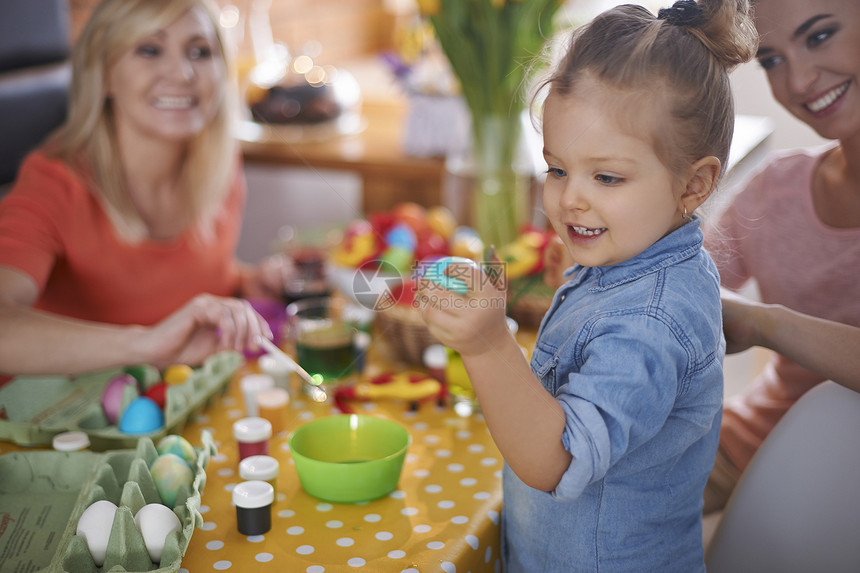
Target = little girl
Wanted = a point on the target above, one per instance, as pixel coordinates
(610, 433)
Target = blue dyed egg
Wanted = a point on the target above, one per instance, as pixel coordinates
(401, 235)
(435, 273)
(141, 417)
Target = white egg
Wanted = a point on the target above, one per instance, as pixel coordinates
(94, 526)
(156, 522)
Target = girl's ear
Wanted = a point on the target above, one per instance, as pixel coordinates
(701, 182)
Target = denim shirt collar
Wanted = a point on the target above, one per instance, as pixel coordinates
(682, 243)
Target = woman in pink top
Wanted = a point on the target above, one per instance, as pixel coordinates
(117, 241)
(795, 227)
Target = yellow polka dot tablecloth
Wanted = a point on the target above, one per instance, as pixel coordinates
(443, 516)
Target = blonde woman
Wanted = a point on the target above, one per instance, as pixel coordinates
(117, 240)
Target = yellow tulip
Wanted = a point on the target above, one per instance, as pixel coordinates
(429, 7)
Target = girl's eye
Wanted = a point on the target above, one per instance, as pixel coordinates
(148, 50)
(200, 52)
(556, 172)
(607, 179)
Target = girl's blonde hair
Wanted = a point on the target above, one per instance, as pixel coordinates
(87, 140)
(683, 58)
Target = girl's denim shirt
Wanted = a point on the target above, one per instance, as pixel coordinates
(633, 352)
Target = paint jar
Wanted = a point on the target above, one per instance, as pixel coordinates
(253, 500)
(435, 359)
(253, 435)
(277, 369)
(272, 405)
(250, 385)
(260, 468)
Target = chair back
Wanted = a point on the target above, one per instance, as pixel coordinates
(796, 507)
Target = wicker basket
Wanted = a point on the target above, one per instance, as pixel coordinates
(528, 300)
(403, 328)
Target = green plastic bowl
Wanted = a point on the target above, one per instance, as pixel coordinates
(349, 458)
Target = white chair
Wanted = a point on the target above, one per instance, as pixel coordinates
(797, 505)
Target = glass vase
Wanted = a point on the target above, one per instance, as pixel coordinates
(488, 187)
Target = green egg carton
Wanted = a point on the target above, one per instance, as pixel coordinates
(33, 409)
(44, 493)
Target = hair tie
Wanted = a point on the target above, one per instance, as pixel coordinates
(682, 13)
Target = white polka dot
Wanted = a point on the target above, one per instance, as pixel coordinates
(285, 446)
(449, 567)
(281, 497)
(475, 448)
(472, 541)
(409, 415)
(324, 507)
(230, 486)
(372, 517)
(420, 426)
(463, 434)
(306, 415)
(286, 513)
(459, 519)
(396, 554)
(228, 401)
(208, 526)
(482, 495)
(182, 570)
(215, 545)
(356, 562)
(334, 524)
(398, 494)
(410, 570)
(368, 407)
(235, 414)
(295, 530)
(455, 468)
(264, 557)
(345, 542)
(494, 516)
(446, 504)
(202, 419)
(204, 509)
(409, 511)
(487, 554)
(305, 549)
(412, 458)
(421, 528)
(421, 473)
(497, 474)
(256, 538)
(443, 453)
(431, 439)
(221, 565)
(433, 488)
(435, 545)
(315, 569)
(488, 462)
(384, 536)
(219, 458)
(466, 482)
(225, 472)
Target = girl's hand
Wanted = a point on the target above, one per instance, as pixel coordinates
(471, 324)
(556, 260)
(205, 325)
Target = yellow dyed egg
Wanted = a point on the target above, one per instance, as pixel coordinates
(177, 373)
(441, 220)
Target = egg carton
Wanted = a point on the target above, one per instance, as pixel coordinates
(33, 409)
(44, 493)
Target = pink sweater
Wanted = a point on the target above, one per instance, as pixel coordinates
(772, 234)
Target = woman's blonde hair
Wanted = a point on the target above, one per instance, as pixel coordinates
(87, 140)
(681, 58)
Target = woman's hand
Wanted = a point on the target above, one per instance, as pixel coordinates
(470, 324)
(205, 325)
(269, 279)
(741, 321)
